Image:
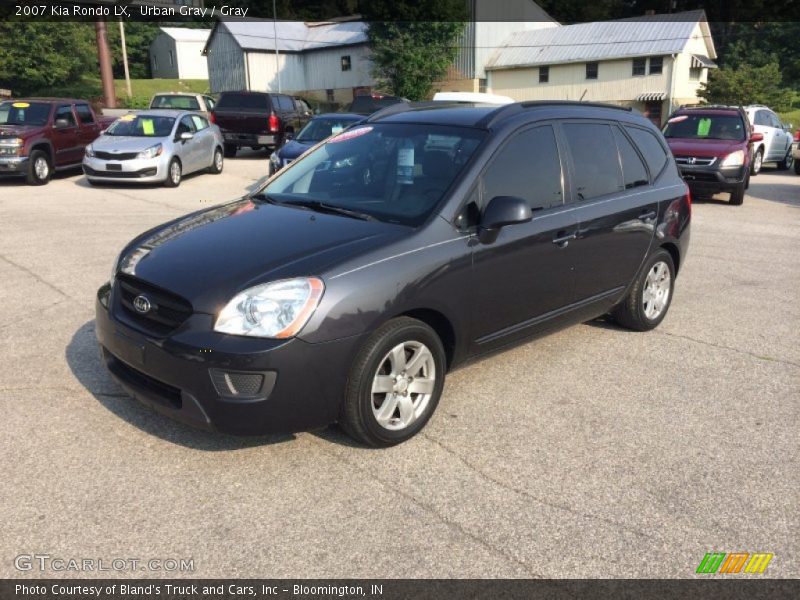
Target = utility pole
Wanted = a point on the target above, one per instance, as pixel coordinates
(125, 59)
(104, 56)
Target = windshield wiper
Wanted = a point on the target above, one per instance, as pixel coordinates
(314, 205)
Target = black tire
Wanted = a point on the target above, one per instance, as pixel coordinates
(216, 162)
(32, 176)
(630, 312)
(171, 181)
(357, 416)
(787, 161)
(797, 167)
(737, 194)
(230, 150)
(92, 182)
(758, 162)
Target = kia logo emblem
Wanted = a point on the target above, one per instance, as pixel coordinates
(141, 304)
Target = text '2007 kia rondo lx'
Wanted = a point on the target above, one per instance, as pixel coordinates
(347, 286)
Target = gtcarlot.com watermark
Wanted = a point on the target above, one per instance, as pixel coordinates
(59, 564)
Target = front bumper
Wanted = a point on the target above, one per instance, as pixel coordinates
(14, 164)
(713, 179)
(144, 170)
(183, 375)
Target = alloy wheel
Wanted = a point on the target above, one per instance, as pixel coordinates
(175, 172)
(403, 385)
(656, 290)
(41, 168)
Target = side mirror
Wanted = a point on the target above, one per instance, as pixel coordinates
(61, 124)
(500, 212)
(186, 136)
(756, 137)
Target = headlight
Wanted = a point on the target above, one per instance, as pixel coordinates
(151, 152)
(273, 310)
(734, 159)
(90, 151)
(10, 146)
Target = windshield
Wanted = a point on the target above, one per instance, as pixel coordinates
(708, 126)
(320, 128)
(142, 126)
(392, 172)
(24, 113)
(177, 102)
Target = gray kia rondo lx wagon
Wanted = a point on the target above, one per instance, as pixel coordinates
(347, 286)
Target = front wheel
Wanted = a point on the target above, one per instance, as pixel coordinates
(648, 301)
(787, 161)
(758, 162)
(39, 169)
(394, 384)
(737, 194)
(174, 173)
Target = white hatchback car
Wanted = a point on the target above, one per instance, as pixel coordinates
(777, 143)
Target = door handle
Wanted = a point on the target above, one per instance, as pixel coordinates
(562, 240)
(646, 216)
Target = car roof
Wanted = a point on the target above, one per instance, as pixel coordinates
(344, 116)
(484, 116)
(165, 112)
(51, 100)
(178, 94)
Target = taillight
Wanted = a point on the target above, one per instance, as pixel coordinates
(212, 118)
(797, 136)
(274, 123)
(688, 198)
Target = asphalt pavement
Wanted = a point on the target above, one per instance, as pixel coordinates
(594, 452)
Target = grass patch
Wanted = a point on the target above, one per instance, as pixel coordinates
(792, 117)
(144, 89)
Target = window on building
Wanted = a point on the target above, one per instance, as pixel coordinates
(329, 95)
(695, 73)
(346, 65)
(639, 67)
(656, 65)
(483, 84)
(544, 74)
(591, 70)
(527, 167)
(155, 61)
(171, 59)
(597, 170)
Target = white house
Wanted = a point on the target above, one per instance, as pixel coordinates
(653, 63)
(177, 53)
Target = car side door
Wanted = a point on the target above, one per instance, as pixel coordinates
(616, 208)
(67, 146)
(186, 150)
(89, 129)
(763, 125)
(523, 280)
(781, 140)
(204, 140)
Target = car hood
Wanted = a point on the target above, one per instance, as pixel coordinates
(695, 147)
(122, 143)
(293, 149)
(20, 131)
(209, 256)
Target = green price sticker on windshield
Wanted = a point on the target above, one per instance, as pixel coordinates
(703, 127)
(147, 127)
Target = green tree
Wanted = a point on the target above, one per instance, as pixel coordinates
(36, 56)
(748, 84)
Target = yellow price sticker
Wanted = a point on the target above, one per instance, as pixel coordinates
(128, 117)
(21, 105)
(147, 127)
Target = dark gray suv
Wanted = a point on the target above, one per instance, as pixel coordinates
(346, 287)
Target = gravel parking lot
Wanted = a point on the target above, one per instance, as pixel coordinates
(594, 452)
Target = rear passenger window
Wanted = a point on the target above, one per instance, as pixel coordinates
(527, 167)
(633, 172)
(652, 150)
(597, 171)
(285, 103)
(199, 122)
(84, 113)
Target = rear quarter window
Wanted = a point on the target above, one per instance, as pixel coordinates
(596, 164)
(252, 102)
(653, 151)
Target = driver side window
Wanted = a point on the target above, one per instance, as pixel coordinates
(184, 126)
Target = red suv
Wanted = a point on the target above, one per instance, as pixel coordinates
(713, 147)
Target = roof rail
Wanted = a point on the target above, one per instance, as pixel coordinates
(508, 110)
(401, 107)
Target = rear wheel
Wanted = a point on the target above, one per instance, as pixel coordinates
(230, 150)
(758, 161)
(394, 384)
(787, 161)
(648, 301)
(737, 194)
(39, 168)
(217, 162)
(174, 173)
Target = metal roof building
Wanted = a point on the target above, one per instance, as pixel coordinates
(177, 53)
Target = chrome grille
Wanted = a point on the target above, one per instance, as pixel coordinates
(696, 161)
(115, 155)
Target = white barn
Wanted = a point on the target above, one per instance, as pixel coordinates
(177, 53)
